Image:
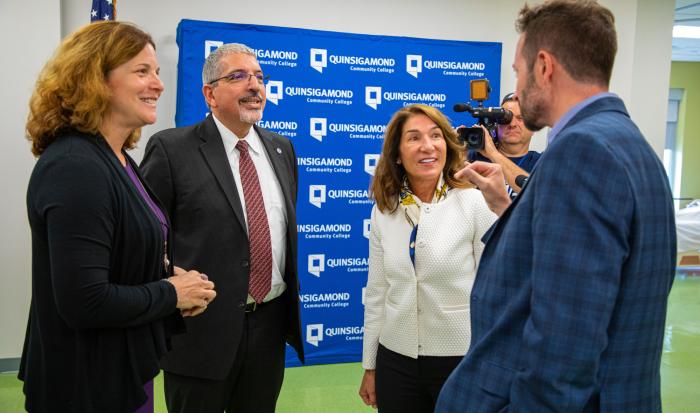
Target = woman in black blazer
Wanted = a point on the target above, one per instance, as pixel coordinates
(104, 297)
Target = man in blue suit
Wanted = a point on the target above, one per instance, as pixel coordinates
(569, 303)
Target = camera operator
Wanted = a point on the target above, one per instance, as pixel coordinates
(512, 151)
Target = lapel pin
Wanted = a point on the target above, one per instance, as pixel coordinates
(279, 151)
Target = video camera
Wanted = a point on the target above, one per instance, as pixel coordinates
(488, 117)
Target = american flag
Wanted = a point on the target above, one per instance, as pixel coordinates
(103, 10)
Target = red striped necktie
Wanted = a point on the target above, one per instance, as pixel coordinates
(258, 227)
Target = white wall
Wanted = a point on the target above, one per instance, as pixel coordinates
(644, 36)
(28, 35)
(640, 77)
(643, 64)
(439, 19)
(651, 70)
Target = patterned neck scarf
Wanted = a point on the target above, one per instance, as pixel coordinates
(411, 205)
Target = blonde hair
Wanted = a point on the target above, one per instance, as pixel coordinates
(388, 176)
(71, 91)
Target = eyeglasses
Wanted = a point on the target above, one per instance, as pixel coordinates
(507, 98)
(241, 76)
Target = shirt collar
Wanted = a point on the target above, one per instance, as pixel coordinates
(230, 139)
(561, 123)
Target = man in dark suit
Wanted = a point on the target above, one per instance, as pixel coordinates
(569, 303)
(230, 190)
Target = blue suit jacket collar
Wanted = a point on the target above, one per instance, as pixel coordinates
(573, 113)
(607, 103)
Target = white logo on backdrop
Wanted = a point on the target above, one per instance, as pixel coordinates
(414, 64)
(275, 91)
(318, 128)
(317, 195)
(316, 264)
(210, 46)
(373, 96)
(314, 334)
(319, 59)
(371, 160)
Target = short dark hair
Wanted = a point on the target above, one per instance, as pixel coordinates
(579, 33)
(509, 97)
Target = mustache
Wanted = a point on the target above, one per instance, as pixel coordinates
(252, 95)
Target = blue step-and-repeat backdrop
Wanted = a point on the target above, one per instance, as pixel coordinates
(332, 95)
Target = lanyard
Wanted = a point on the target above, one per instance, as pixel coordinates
(412, 245)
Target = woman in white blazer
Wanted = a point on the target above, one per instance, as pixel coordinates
(425, 244)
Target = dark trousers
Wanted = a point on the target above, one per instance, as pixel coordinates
(407, 385)
(255, 379)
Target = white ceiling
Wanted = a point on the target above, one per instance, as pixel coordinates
(687, 14)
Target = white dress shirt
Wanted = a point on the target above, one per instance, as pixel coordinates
(272, 196)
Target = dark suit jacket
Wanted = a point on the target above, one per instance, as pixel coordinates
(100, 315)
(190, 173)
(569, 303)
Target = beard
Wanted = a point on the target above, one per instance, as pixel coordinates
(250, 116)
(532, 105)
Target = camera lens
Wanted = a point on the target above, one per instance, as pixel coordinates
(472, 137)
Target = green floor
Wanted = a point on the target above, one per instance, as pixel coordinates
(333, 388)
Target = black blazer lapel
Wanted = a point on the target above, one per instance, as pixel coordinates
(276, 153)
(214, 154)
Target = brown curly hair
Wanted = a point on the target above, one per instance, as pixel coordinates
(388, 175)
(71, 91)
